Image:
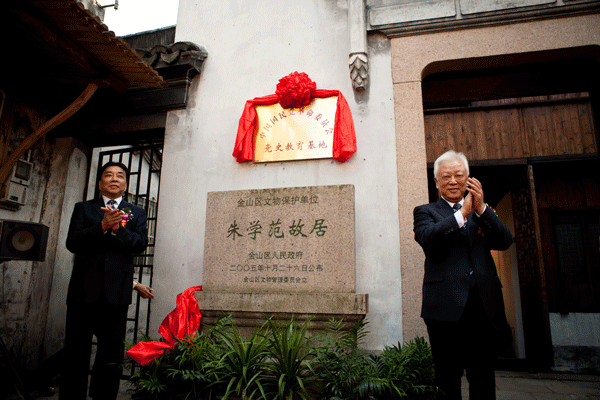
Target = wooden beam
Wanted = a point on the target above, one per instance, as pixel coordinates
(52, 123)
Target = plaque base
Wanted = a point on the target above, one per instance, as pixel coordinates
(250, 310)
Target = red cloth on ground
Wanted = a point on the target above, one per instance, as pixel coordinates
(183, 321)
(344, 138)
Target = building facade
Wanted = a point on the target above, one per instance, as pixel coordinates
(512, 84)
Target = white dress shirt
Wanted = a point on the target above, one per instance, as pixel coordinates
(458, 215)
(106, 199)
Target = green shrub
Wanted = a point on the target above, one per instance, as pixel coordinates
(409, 370)
(283, 363)
(189, 371)
(242, 365)
(289, 374)
(345, 372)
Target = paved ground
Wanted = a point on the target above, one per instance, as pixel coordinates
(548, 386)
(509, 386)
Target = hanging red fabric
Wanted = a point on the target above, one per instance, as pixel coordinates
(182, 322)
(344, 138)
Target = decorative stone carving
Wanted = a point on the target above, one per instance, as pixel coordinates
(359, 70)
(178, 64)
(359, 60)
(179, 53)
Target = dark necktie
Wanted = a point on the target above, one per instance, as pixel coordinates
(112, 204)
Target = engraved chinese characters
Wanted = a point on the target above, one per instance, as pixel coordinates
(295, 134)
(284, 240)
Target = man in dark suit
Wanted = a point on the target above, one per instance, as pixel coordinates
(104, 234)
(462, 296)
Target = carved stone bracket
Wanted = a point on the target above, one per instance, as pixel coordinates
(359, 60)
(359, 70)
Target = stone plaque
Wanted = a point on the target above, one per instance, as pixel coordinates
(297, 240)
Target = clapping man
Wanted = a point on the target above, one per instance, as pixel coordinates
(104, 233)
(462, 296)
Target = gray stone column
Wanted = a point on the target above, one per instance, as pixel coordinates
(359, 61)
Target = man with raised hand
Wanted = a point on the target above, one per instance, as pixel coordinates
(462, 294)
(104, 233)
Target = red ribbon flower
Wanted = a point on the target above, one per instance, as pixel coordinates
(295, 90)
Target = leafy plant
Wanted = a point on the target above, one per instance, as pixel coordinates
(409, 369)
(283, 363)
(189, 371)
(290, 376)
(194, 367)
(345, 371)
(242, 364)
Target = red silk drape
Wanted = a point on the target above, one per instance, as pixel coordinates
(183, 321)
(344, 138)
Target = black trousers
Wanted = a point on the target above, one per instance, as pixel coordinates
(467, 344)
(108, 322)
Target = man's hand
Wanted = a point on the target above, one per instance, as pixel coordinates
(475, 190)
(111, 219)
(145, 291)
(467, 206)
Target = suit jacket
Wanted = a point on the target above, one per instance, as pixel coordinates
(103, 267)
(450, 254)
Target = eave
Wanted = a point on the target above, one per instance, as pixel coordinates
(61, 42)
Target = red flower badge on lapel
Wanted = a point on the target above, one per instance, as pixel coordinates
(127, 216)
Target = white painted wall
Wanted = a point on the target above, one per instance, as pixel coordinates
(251, 45)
